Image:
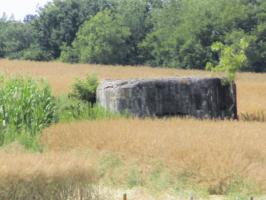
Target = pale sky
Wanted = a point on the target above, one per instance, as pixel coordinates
(20, 8)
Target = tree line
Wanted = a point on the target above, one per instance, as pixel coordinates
(167, 33)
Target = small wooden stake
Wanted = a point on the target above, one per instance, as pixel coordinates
(191, 198)
(251, 198)
(125, 197)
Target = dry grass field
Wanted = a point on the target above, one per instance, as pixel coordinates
(251, 87)
(44, 176)
(210, 153)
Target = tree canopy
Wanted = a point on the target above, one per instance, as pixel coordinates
(103, 39)
(167, 33)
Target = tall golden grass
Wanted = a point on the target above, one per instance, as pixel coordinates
(46, 176)
(251, 87)
(211, 153)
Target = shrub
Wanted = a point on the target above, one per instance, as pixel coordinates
(85, 90)
(74, 109)
(232, 58)
(26, 106)
(69, 54)
(34, 52)
(103, 39)
(81, 102)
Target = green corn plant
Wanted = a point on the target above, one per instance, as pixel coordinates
(25, 106)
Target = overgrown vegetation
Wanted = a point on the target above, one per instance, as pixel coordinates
(26, 107)
(105, 29)
(85, 90)
(174, 33)
(70, 109)
(81, 102)
(198, 157)
(232, 58)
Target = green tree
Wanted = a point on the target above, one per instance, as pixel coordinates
(59, 21)
(168, 33)
(103, 39)
(136, 14)
(256, 52)
(232, 58)
(14, 37)
(185, 30)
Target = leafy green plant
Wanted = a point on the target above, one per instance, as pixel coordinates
(34, 52)
(232, 58)
(69, 54)
(81, 102)
(103, 39)
(70, 109)
(26, 107)
(85, 90)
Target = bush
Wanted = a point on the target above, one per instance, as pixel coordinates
(232, 58)
(34, 52)
(70, 109)
(26, 107)
(69, 54)
(85, 90)
(103, 39)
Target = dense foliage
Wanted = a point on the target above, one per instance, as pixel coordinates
(26, 107)
(171, 33)
(85, 90)
(103, 30)
(232, 58)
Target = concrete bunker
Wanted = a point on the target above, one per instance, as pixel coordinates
(197, 97)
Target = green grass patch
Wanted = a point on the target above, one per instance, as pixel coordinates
(242, 189)
(71, 109)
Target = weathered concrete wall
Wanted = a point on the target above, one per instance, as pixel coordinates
(198, 97)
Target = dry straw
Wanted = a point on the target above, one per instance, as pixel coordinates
(46, 176)
(210, 153)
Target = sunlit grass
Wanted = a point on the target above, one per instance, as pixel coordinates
(251, 87)
(211, 154)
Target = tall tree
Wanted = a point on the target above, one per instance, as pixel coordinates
(137, 16)
(102, 39)
(14, 37)
(185, 30)
(59, 21)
